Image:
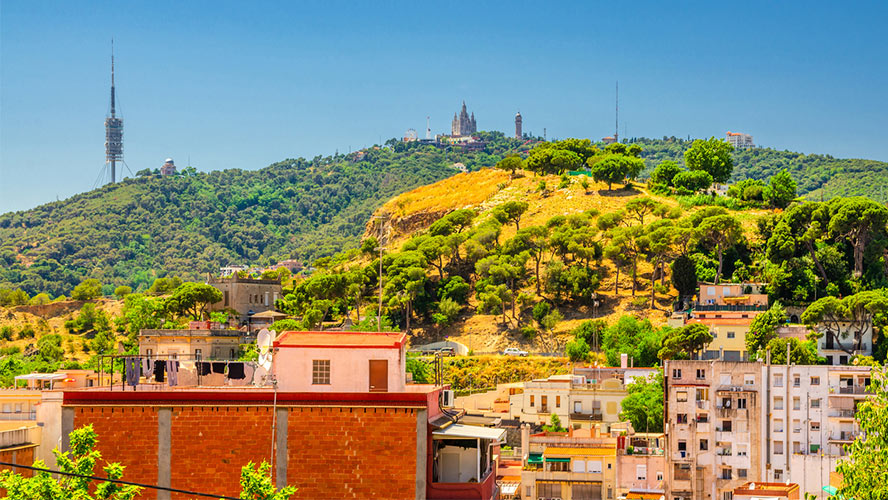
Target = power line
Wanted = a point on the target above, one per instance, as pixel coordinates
(119, 481)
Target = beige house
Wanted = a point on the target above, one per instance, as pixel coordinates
(578, 402)
(713, 419)
(191, 344)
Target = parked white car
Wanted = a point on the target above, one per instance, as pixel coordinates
(514, 351)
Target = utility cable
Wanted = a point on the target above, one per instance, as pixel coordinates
(120, 481)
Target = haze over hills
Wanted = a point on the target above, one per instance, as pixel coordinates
(193, 223)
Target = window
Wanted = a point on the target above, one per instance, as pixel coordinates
(726, 291)
(778, 380)
(704, 444)
(578, 407)
(197, 353)
(702, 418)
(557, 401)
(728, 496)
(796, 447)
(778, 425)
(320, 372)
(593, 466)
(557, 466)
(681, 396)
(681, 418)
(641, 472)
(815, 403)
(610, 466)
(741, 473)
(778, 474)
(544, 403)
(796, 403)
(231, 354)
(796, 426)
(528, 490)
(815, 380)
(749, 379)
(701, 374)
(702, 394)
(726, 426)
(741, 403)
(726, 473)
(815, 426)
(797, 381)
(731, 335)
(548, 490)
(778, 450)
(726, 402)
(778, 403)
(843, 360)
(829, 359)
(659, 476)
(710, 290)
(682, 445)
(676, 373)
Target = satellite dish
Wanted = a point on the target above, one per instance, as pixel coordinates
(263, 341)
(259, 375)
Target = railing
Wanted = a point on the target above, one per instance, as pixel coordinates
(20, 436)
(729, 308)
(24, 415)
(596, 416)
(723, 453)
(844, 413)
(854, 389)
(844, 436)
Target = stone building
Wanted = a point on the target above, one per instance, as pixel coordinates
(168, 167)
(518, 132)
(247, 296)
(463, 124)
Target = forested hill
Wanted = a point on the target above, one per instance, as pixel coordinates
(192, 223)
(815, 174)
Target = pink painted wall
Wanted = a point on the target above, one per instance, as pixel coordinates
(349, 368)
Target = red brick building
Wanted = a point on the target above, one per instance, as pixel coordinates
(399, 444)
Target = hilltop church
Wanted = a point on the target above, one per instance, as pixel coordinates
(463, 124)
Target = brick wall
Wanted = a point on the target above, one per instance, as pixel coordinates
(209, 445)
(352, 452)
(337, 452)
(21, 456)
(127, 435)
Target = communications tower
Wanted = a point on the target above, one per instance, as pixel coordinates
(113, 130)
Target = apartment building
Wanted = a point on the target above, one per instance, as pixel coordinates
(810, 418)
(739, 140)
(827, 345)
(578, 401)
(576, 465)
(713, 418)
(728, 310)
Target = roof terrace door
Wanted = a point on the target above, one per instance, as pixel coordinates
(378, 375)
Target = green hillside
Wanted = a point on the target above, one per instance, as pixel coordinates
(191, 224)
(815, 174)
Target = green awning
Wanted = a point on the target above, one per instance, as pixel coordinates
(535, 458)
(557, 459)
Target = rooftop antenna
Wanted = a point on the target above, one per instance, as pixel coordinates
(617, 114)
(113, 129)
(544, 133)
(428, 128)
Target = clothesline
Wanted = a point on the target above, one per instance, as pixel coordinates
(176, 372)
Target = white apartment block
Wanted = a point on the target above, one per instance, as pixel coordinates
(810, 418)
(829, 347)
(739, 140)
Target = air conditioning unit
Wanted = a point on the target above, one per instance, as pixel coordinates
(447, 398)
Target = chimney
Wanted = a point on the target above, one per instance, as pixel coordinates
(525, 440)
(624, 360)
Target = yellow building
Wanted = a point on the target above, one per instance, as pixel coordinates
(19, 404)
(570, 468)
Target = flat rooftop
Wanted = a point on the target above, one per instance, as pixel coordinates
(341, 339)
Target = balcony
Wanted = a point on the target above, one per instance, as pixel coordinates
(702, 405)
(844, 414)
(728, 307)
(22, 415)
(854, 390)
(844, 436)
(483, 490)
(594, 416)
(681, 456)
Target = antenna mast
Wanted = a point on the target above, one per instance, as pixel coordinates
(428, 128)
(617, 115)
(113, 129)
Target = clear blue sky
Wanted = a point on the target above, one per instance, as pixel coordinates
(245, 84)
